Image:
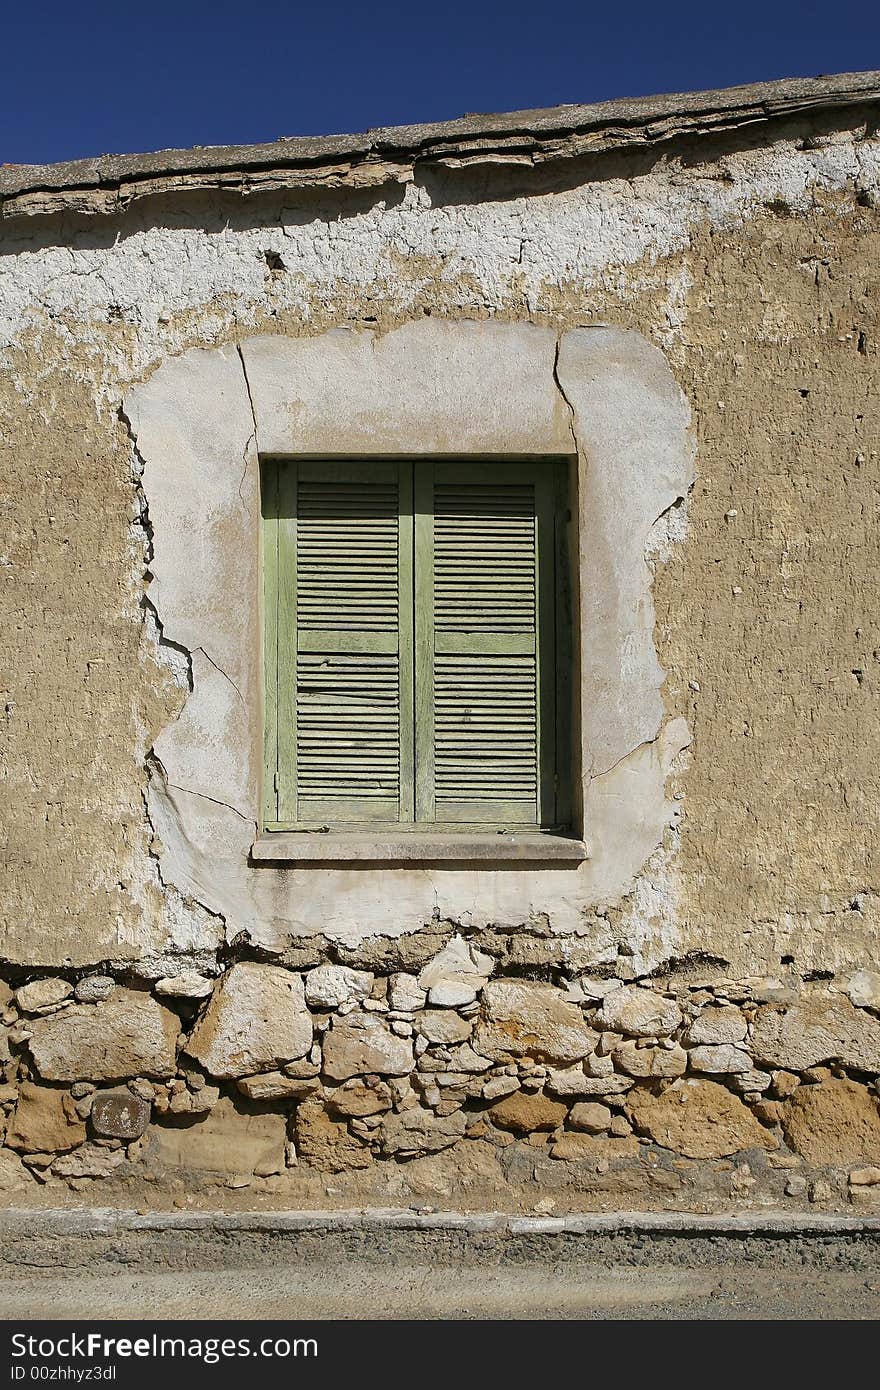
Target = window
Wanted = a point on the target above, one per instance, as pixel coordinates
(417, 640)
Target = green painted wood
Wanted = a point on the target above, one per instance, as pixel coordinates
(423, 500)
(481, 555)
(406, 640)
(545, 556)
(287, 496)
(342, 589)
(565, 539)
(421, 650)
(269, 492)
(504, 814)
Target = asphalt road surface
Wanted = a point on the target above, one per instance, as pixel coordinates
(422, 1291)
(102, 1263)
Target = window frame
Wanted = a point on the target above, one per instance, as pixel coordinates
(554, 651)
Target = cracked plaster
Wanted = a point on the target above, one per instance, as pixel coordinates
(428, 387)
(753, 267)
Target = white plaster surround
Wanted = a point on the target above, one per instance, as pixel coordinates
(431, 387)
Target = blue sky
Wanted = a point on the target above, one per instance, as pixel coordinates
(86, 77)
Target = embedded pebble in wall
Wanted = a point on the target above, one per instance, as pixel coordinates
(328, 986)
(41, 994)
(639, 1012)
(590, 1116)
(93, 988)
(189, 984)
(405, 993)
(455, 975)
(119, 1115)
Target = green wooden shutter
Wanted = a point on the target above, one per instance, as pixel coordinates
(485, 678)
(344, 634)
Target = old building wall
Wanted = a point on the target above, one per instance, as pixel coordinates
(752, 264)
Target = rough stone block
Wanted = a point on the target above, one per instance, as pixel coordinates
(361, 1043)
(699, 1119)
(522, 1018)
(127, 1034)
(44, 1121)
(834, 1124)
(256, 1019)
(233, 1138)
(817, 1030)
(639, 1012)
(526, 1113)
(326, 1141)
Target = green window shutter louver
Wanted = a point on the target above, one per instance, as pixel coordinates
(412, 633)
(344, 643)
(484, 641)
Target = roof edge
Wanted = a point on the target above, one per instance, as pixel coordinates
(105, 184)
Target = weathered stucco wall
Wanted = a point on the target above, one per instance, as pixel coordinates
(751, 264)
(753, 270)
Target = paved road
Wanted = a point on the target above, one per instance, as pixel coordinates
(86, 1263)
(423, 1291)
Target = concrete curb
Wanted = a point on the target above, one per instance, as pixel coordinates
(94, 1221)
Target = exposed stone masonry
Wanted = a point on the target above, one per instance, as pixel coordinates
(265, 1073)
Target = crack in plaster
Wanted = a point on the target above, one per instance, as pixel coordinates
(190, 791)
(220, 671)
(204, 855)
(254, 439)
(561, 389)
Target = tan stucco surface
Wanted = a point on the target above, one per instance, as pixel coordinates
(753, 268)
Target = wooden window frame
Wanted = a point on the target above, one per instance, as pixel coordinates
(555, 644)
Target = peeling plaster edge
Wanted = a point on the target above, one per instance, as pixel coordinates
(104, 184)
(181, 669)
(191, 892)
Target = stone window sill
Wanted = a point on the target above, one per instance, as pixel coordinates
(524, 847)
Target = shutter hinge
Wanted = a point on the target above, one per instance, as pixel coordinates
(275, 782)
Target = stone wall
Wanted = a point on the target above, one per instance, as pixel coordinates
(683, 1089)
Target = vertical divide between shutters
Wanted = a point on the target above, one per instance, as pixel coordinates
(411, 643)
